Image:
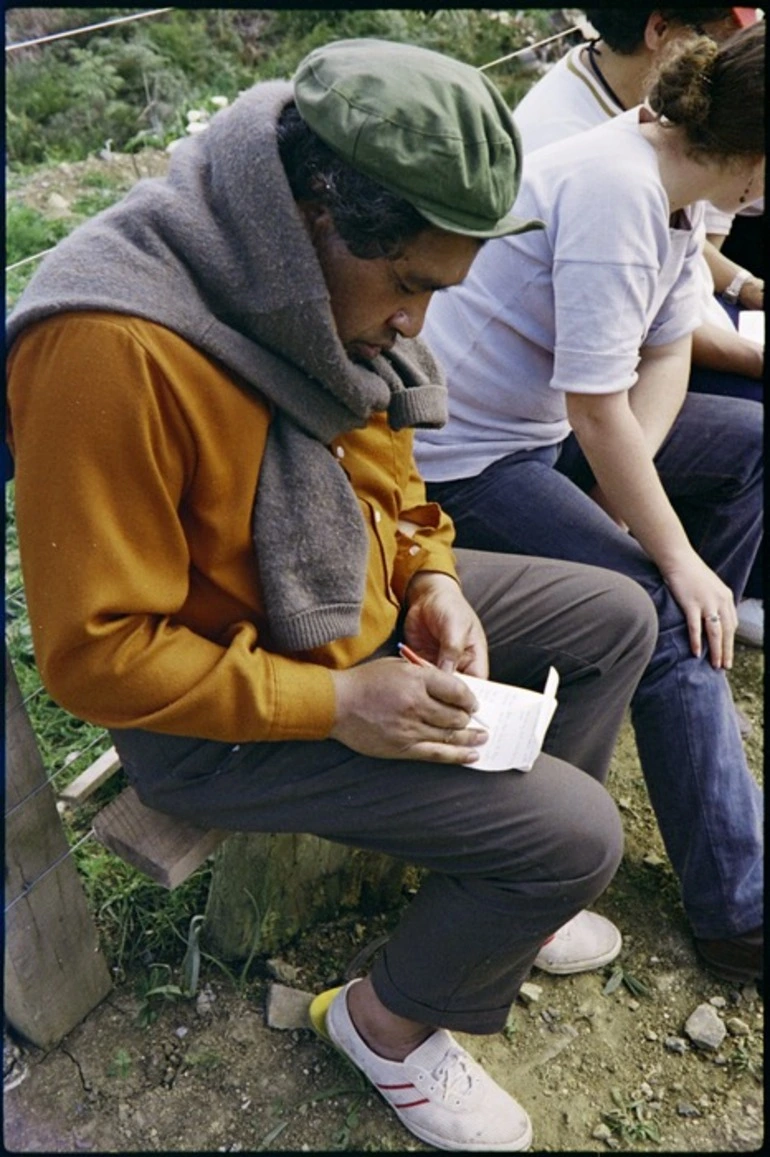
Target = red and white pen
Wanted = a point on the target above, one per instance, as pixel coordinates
(412, 657)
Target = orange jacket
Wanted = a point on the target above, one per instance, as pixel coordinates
(136, 464)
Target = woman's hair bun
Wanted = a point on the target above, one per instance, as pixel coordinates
(682, 90)
(715, 92)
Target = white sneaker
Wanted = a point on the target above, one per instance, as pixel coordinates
(751, 622)
(586, 941)
(438, 1092)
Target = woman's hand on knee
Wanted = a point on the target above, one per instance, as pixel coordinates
(708, 606)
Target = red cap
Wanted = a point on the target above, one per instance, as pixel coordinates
(744, 16)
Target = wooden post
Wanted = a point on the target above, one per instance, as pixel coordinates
(266, 888)
(55, 972)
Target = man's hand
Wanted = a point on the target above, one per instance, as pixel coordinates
(442, 626)
(394, 710)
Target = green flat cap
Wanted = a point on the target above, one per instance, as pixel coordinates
(427, 128)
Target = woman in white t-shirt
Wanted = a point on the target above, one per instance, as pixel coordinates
(567, 353)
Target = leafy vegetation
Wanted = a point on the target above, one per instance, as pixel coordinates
(131, 83)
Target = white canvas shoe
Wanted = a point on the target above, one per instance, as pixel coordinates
(438, 1092)
(586, 941)
(751, 622)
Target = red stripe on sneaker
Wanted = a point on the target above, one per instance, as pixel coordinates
(406, 1104)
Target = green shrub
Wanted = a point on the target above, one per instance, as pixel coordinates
(132, 83)
(28, 232)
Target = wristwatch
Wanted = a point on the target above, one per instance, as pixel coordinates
(733, 291)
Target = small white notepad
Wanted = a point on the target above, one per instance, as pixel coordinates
(517, 720)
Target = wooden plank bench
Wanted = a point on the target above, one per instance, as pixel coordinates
(165, 848)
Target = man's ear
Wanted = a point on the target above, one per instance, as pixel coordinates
(317, 217)
(655, 31)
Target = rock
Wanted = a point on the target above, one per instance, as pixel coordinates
(737, 1027)
(675, 1044)
(602, 1132)
(58, 206)
(281, 970)
(287, 1008)
(718, 1001)
(652, 860)
(685, 1109)
(529, 992)
(650, 1034)
(633, 1005)
(204, 1001)
(704, 1028)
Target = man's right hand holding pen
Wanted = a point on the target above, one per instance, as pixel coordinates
(399, 709)
(396, 709)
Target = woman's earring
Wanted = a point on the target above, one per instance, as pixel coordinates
(745, 194)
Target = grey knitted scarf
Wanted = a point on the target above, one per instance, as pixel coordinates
(218, 252)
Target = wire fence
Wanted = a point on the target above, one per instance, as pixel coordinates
(86, 28)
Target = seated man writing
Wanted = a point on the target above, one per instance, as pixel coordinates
(213, 392)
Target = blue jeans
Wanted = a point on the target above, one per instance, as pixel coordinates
(703, 381)
(708, 806)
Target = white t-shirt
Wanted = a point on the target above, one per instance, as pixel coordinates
(570, 99)
(566, 308)
(567, 100)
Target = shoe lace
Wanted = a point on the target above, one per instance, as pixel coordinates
(453, 1075)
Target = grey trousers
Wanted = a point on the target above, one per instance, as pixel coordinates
(511, 856)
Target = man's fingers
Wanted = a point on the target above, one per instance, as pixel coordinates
(456, 752)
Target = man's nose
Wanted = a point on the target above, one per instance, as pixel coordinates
(409, 322)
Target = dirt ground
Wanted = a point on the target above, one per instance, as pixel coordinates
(597, 1070)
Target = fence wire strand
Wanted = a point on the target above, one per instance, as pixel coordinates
(51, 868)
(86, 28)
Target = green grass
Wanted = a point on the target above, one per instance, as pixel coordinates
(29, 232)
